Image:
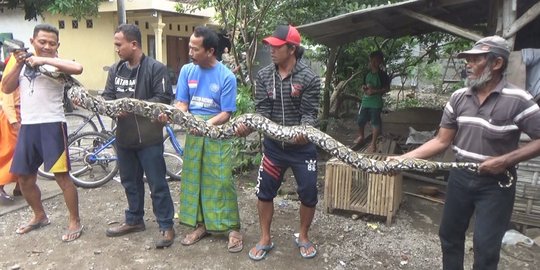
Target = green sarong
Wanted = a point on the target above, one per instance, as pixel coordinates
(208, 193)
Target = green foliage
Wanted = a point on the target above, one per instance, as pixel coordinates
(75, 8)
(431, 72)
(244, 101)
(403, 103)
(244, 152)
(179, 8)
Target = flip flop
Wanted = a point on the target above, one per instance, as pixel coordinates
(187, 241)
(306, 246)
(30, 227)
(238, 245)
(264, 248)
(72, 235)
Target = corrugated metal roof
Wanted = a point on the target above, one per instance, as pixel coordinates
(388, 21)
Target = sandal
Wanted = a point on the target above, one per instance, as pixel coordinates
(72, 235)
(194, 236)
(30, 227)
(264, 248)
(306, 246)
(235, 242)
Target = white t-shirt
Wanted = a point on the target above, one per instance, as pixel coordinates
(41, 99)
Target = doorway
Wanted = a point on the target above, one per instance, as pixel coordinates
(177, 55)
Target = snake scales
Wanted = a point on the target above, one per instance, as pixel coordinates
(257, 122)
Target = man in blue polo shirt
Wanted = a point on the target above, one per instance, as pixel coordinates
(483, 122)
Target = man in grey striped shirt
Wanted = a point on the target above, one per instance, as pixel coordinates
(483, 122)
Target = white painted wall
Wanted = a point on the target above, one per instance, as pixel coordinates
(12, 21)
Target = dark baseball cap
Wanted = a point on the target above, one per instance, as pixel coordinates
(284, 34)
(494, 44)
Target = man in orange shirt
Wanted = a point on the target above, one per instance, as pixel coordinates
(10, 122)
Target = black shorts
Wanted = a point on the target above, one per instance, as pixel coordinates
(302, 159)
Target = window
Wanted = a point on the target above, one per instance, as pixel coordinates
(146, 25)
(74, 24)
(89, 24)
(61, 24)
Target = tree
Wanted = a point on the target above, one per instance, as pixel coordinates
(250, 20)
(74, 8)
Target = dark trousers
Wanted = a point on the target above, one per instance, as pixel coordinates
(133, 164)
(469, 193)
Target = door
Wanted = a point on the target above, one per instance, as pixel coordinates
(177, 55)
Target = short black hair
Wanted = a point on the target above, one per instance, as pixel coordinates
(46, 28)
(131, 33)
(210, 37)
(377, 54)
(298, 50)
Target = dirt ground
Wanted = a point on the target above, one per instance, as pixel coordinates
(345, 240)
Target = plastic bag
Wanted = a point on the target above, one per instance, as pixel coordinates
(419, 137)
(513, 237)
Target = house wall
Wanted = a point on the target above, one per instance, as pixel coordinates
(93, 46)
(94, 49)
(90, 46)
(12, 21)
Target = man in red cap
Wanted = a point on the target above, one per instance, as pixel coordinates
(483, 122)
(287, 92)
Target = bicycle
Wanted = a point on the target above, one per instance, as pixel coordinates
(80, 123)
(173, 151)
(77, 124)
(94, 160)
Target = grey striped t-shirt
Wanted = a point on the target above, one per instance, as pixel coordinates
(494, 127)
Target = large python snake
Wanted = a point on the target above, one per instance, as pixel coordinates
(260, 123)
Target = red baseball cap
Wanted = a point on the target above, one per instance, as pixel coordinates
(284, 34)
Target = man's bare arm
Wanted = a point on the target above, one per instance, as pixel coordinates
(64, 66)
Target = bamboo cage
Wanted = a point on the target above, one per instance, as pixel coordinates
(527, 204)
(348, 188)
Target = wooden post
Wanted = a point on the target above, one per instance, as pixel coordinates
(508, 18)
(526, 18)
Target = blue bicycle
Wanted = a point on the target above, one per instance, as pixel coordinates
(94, 160)
(79, 123)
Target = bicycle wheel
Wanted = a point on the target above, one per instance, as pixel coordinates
(173, 158)
(76, 124)
(174, 164)
(44, 174)
(90, 169)
(79, 123)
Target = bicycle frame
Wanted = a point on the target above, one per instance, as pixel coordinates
(100, 121)
(93, 158)
(86, 121)
(172, 138)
